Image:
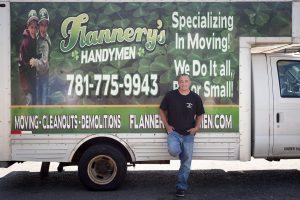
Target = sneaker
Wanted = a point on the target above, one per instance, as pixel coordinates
(180, 193)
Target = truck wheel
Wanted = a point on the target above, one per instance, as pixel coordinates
(102, 167)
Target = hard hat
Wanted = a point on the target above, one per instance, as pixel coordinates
(43, 15)
(32, 15)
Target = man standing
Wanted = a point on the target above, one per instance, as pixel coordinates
(27, 52)
(181, 112)
(43, 51)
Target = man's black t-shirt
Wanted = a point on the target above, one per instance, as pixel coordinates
(182, 109)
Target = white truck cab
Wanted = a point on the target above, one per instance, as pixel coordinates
(276, 103)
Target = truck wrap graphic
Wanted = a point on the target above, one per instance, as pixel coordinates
(110, 64)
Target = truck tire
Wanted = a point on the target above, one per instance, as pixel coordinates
(102, 167)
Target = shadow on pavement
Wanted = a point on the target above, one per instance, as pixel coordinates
(204, 184)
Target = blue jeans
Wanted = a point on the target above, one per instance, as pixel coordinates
(42, 89)
(181, 146)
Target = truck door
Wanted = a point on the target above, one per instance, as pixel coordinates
(285, 117)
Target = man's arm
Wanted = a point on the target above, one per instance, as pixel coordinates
(42, 64)
(163, 118)
(197, 125)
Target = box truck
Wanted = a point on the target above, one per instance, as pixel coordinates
(84, 88)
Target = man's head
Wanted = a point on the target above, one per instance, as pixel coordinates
(32, 23)
(43, 22)
(184, 82)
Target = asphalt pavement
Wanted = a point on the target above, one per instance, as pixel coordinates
(214, 180)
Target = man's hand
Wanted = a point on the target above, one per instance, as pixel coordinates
(193, 131)
(33, 62)
(163, 117)
(197, 126)
(169, 129)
